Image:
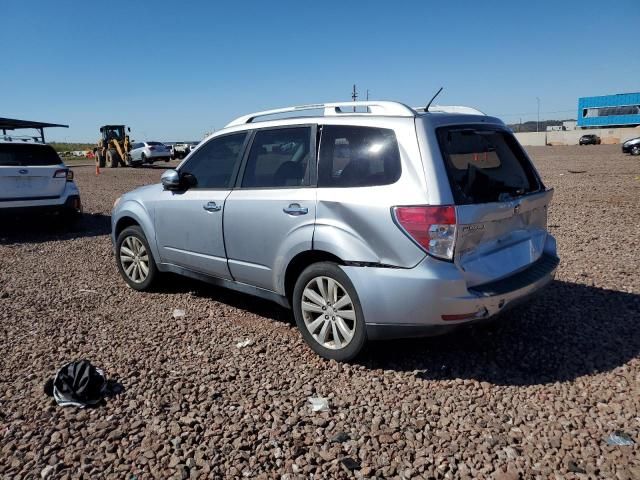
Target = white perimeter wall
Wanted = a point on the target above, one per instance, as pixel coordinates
(571, 137)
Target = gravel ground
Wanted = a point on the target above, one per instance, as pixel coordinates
(533, 396)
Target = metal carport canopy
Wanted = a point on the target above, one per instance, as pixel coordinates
(14, 124)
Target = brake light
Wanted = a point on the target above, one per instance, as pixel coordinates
(64, 173)
(432, 227)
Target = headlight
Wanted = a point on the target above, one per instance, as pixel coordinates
(115, 204)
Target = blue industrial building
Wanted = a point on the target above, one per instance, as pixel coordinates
(621, 110)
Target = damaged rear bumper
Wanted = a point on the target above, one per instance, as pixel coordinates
(433, 298)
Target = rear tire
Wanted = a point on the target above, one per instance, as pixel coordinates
(112, 158)
(135, 260)
(635, 150)
(328, 312)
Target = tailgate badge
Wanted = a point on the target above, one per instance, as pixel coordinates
(23, 171)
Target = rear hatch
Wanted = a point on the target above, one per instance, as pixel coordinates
(501, 202)
(30, 172)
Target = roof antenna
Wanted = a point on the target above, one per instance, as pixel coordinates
(426, 109)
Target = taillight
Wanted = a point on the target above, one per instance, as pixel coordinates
(432, 227)
(64, 173)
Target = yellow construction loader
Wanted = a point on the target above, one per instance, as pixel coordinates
(114, 147)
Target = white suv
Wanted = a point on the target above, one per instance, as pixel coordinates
(33, 178)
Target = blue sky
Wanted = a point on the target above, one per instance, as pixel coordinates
(175, 70)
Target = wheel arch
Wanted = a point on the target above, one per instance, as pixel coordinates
(129, 213)
(301, 261)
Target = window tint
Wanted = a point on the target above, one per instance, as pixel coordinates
(27, 155)
(155, 144)
(214, 163)
(358, 157)
(279, 158)
(485, 165)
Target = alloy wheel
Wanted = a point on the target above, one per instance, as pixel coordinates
(134, 259)
(328, 313)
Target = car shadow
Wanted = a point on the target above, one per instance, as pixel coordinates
(177, 284)
(569, 331)
(47, 228)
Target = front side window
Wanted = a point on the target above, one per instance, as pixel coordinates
(358, 157)
(279, 158)
(214, 164)
(485, 165)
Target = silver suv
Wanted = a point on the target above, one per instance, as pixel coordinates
(371, 220)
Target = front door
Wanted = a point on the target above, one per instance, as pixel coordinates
(189, 223)
(270, 216)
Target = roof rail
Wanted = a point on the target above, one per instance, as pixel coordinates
(337, 108)
(451, 109)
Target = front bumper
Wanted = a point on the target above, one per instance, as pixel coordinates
(400, 303)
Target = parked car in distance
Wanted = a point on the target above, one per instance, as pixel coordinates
(34, 179)
(632, 146)
(589, 140)
(389, 222)
(182, 149)
(149, 152)
(171, 151)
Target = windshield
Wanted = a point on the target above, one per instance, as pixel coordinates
(485, 165)
(27, 155)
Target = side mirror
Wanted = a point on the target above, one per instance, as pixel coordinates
(171, 180)
(129, 129)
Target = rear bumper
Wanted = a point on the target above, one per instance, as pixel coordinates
(68, 201)
(71, 204)
(157, 155)
(412, 302)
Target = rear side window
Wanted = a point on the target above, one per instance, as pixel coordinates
(485, 165)
(27, 155)
(155, 144)
(214, 164)
(358, 157)
(279, 158)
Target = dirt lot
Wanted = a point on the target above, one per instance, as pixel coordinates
(533, 396)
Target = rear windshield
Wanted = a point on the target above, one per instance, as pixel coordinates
(485, 165)
(27, 155)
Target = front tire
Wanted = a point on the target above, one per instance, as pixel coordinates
(134, 259)
(328, 312)
(635, 150)
(112, 158)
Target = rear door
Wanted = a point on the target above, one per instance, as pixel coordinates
(270, 216)
(501, 203)
(30, 172)
(189, 223)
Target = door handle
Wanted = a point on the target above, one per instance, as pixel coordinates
(212, 207)
(295, 209)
